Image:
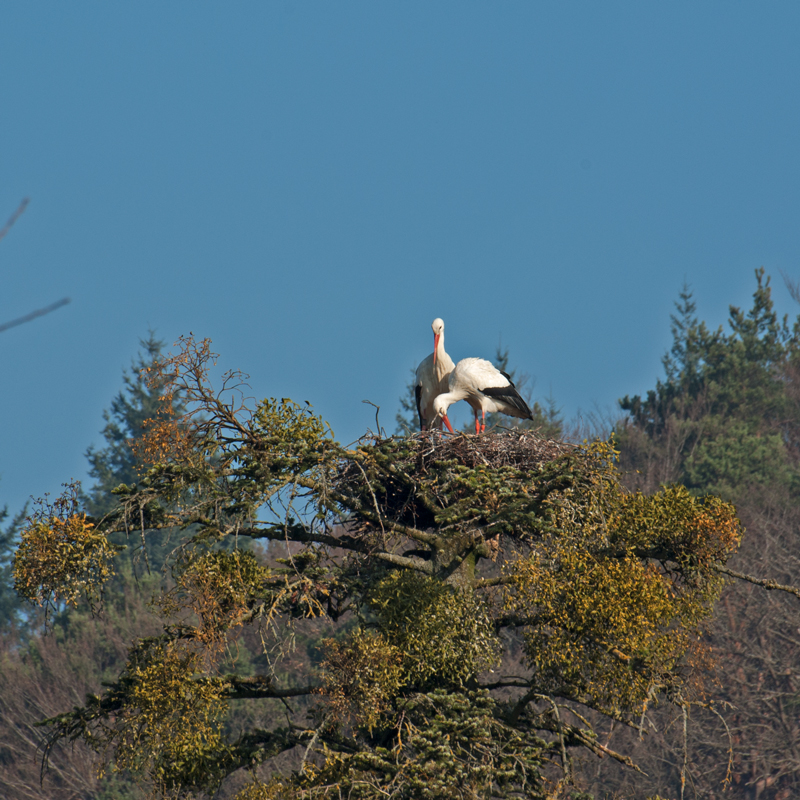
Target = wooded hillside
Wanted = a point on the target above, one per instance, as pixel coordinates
(421, 616)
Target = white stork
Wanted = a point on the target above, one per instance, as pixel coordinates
(431, 378)
(485, 388)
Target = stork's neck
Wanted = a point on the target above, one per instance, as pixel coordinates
(446, 399)
(444, 364)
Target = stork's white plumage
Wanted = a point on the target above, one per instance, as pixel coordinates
(486, 388)
(431, 378)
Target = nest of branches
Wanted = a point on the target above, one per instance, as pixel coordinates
(524, 449)
(431, 478)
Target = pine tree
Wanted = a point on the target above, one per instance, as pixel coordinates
(117, 462)
(10, 603)
(723, 420)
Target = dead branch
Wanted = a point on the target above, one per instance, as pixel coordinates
(765, 583)
(14, 217)
(793, 287)
(38, 313)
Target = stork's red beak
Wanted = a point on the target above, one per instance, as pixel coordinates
(435, 347)
(447, 422)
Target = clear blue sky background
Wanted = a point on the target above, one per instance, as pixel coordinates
(311, 183)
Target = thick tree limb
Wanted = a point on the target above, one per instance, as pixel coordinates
(403, 561)
(298, 533)
(260, 686)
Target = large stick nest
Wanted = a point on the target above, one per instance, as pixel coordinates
(523, 450)
(412, 479)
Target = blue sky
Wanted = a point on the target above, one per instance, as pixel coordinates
(309, 184)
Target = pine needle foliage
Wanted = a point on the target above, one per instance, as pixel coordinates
(116, 462)
(427, 559)
(724, 419)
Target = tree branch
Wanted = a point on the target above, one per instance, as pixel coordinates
(14, 217)
(260, 686)
(38, 313)
(502, 580)
(299, 534)
(355, 504)
(763, 582)
(403, 561)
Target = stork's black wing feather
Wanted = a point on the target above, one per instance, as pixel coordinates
(418, 395)
(506, 376)
(508, 394)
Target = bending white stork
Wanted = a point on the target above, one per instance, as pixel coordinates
(485, 388)
(431, 378)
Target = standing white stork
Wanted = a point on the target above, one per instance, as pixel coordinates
(431, 378)
(485, 388)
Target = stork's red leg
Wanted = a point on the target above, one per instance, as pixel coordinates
(477, 424)
(483, 421)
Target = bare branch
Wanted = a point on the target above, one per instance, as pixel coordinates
(766, 584)
(14, 217)
(409, 563)
(38, 313)
(793, 287)
(41, 311)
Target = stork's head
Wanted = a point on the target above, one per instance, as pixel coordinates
(440, 405)
(438, 332)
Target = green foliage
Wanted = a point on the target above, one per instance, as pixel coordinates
(622, 608)
(726, 418)
(119, 465)
(165, 721)
(62, 557)
(445, 634)
(433, 556)
(218, 588)
(288, 427)
(451, 745)
(362, 677)
(256, 790)
(70, 556)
